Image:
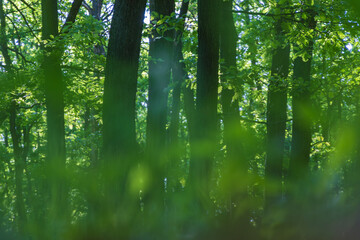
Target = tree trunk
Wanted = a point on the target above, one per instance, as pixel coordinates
(351, 172)
(96, 13)
(15, 135)
(6, 137)
(160, 54)
(206, 119)
(228, 68)
(119, 139)
(178, 76)
(174, 195)
(19, 169)
(276, 117)
(159, 77)
(236, 163)
(4, 40)
(189, 109)
(91, 125)
(160, 61)
(302, 113)
(54, 88)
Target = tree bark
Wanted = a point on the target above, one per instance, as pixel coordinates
(235, 159)
(160, 54)
(206, 119)
(96, 13)
(4, 40)
(178, 76)
(160, 61)
(19, 169)
(189, 109)
(276, 116)
(54, 87)
(119, 139)
(302, 111)
(231, 114)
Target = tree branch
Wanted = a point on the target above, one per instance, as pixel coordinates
(20, 54)
(316, 143)
(75, 7)
(28, 5)
(31, 106)
(254, 121)
(265, 14)
(94, 70)
(26, 22)
(87, 7)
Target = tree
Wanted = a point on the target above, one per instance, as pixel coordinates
(301, 105)
(236, 162)
(119, 139)
(179, 76)
(15, 134)
(160, 53)
(276, 112)
(206, 118)
(54, 89)
(160, 61)
(230, 105)
(207, 170)
(55, 106)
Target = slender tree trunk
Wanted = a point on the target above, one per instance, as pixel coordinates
(15, 135)
(175, 204)
(188, 95)
(301, 191)
(19, 169)
(206, 119)
(228, 68)
(54, 88)
(159, 77)
(6, 137)
(235, 159)
(96, 13)
(4, 40)
(351, 173)
(302, 113)
(91, 128)
(99, 50)
(236, 163)
(90, 123)
(276, 117)
(189, 109)
(161, 53)
(178, 76)
(161, 56)
(25, 154)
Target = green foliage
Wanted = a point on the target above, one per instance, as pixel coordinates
(236, 188)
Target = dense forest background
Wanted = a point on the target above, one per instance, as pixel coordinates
(179, 119)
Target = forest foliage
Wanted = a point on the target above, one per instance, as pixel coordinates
(179, 119)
